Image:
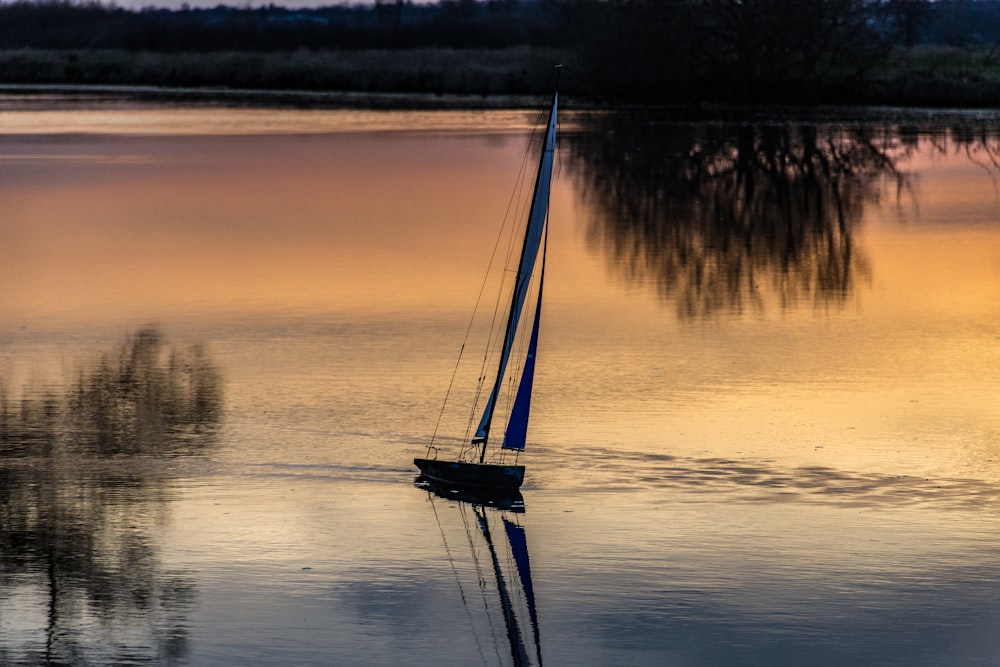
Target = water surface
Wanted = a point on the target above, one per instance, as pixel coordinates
(765, 428)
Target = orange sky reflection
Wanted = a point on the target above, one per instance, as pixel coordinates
(129, 229)
(323, 222)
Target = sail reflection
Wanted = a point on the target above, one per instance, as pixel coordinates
(725, 218)
(83, 482)
(504, 552)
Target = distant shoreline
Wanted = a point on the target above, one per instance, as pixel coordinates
(453, 77)
(479, 54)
(437, 78)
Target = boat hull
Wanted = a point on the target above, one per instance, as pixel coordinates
(475, 475)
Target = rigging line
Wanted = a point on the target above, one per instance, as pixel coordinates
(521, 222)
(517, 202)
(496, 334)
(507, 218)
(447, 393)
(458, 580)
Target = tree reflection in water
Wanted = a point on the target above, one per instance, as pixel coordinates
(83, 481)
(723, 218)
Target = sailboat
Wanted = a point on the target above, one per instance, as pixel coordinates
(472, 468)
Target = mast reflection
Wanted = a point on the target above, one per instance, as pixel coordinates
(482, 514)
(82, 489)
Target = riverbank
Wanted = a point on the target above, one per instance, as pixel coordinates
(940, 77)
(515, 71)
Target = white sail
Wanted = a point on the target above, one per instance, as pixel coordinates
(532, 242)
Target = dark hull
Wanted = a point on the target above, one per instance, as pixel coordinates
(475, 475)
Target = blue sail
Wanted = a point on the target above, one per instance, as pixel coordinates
(517, 427)
(532, 242)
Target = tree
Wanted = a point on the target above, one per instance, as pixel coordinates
(907, 17)
(736, 50)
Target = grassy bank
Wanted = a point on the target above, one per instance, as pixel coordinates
(521, 70)
(922, 76)
(939, 76)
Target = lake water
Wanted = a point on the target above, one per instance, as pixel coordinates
(765, 430)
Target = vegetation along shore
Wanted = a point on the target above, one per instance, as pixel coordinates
(900, 52)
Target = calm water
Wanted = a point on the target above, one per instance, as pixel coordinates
(765, 431)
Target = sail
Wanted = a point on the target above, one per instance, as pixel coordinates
(517, 427)
(532, 243)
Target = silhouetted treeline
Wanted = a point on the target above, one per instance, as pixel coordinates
(60, 24)
(958, 23)
(651, 50)
(787, 51)
(63, 24)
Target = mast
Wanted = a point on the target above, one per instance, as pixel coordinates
(529, 252)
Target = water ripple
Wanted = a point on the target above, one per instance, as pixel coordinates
(769, 481)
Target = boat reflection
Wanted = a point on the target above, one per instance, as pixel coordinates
(499, 498)
(482, 517)
(83, 484)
